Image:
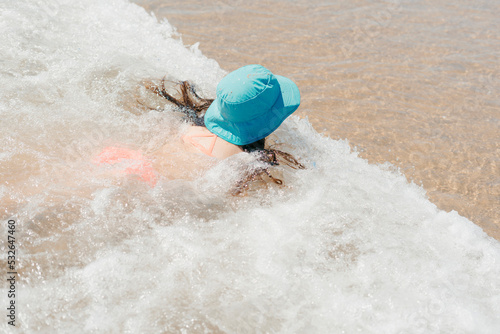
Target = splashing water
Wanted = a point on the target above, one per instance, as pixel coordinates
(344, 247)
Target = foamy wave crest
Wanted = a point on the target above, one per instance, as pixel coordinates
(344, 246)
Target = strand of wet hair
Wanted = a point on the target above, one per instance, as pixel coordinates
(192, 109)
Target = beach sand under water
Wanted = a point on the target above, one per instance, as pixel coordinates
(346, 245)
(415, 84)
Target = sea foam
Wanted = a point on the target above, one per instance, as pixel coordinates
(344, 246)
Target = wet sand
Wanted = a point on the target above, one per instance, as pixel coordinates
(411, 85)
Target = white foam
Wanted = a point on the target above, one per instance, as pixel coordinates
(346, 246)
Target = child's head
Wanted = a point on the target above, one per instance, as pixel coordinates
(251, 103)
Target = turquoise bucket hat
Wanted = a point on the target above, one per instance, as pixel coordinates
(251, 103)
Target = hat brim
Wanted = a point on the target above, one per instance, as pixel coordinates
(243, 133)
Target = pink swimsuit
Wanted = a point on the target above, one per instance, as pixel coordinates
(203, 149)
(128, 161)
(131, 162)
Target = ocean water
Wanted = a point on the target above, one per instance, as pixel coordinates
(345, 246)
(414, 83)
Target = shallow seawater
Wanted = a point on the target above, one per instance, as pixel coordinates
(414, 83)
(345, 246)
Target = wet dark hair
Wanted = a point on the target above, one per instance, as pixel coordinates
(194, 107)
